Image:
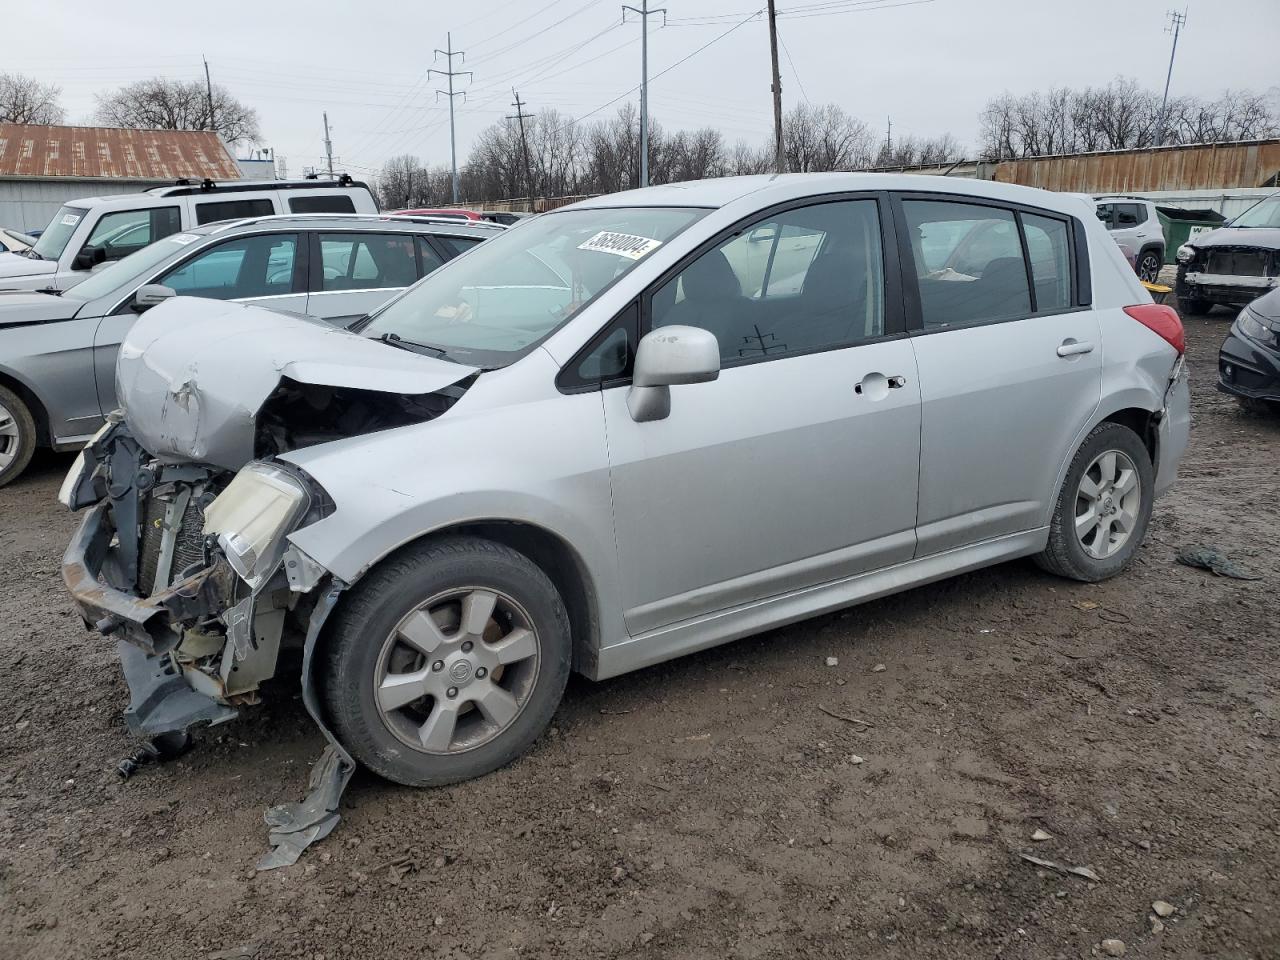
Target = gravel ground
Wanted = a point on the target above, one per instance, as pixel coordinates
(712, 806)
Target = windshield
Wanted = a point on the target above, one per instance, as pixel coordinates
(54, 239)
(492, 305)
(108, 279)
(1264, 214)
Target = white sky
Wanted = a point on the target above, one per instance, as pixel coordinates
(929, 65)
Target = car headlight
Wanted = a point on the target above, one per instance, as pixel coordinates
(1254, 327)
(252, 517)
(1186, 253)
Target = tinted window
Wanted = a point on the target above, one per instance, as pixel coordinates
(808, 279)
(969, 266)
(364, 261)
(122, 232)
(1129, 215)
(211, 212)
(1048, 244)
(324, 203)
(458, 244)
(1107, 214)
(260, 266)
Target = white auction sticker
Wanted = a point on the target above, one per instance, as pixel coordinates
(621, 244)
(183, 238)
(70, 219)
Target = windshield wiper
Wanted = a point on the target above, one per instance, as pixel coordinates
(395, 340)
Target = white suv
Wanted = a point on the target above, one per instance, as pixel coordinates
(87, 233)
(1135, 226)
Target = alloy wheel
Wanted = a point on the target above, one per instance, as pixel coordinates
(1108, 504)
(9, 438)
(457, 670)
(1149, 268)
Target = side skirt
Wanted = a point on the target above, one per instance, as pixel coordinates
(689, 636)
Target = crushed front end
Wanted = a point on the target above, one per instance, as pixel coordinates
(184, 566)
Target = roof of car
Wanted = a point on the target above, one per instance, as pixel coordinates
(776, 188)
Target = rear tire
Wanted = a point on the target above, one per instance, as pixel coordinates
(17, 436)
(1193, 308)
(1103, 508)
(446, 662)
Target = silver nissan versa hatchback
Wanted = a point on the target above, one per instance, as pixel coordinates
(632, 428)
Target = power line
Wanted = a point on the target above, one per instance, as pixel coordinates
(450, 53)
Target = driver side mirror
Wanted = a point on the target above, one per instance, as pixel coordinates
(88, 258)
(151, 294)
(665, 357)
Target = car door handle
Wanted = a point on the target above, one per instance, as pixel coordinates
(874, 384)
(1074, 348)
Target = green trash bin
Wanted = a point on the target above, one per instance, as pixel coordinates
(1179, 225)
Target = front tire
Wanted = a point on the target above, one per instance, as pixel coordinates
(446, 662)
(1103, 508)
(17, 436)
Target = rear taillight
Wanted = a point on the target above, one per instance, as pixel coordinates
(1163, 320)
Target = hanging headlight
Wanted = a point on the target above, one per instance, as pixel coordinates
(252, 517)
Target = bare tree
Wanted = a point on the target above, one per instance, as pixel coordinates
(404, 182)
(911, 151)
(26, 100)
(824, 138)
(161, 104)
(745, 159)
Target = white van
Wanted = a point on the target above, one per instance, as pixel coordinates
(96, 230)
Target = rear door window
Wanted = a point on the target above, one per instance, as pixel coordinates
(1129, 215)
(969, 267)
(367, 261)
(258, 266)
(211, 211)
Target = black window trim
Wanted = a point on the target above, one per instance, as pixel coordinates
(628, 319)
(1078, 251)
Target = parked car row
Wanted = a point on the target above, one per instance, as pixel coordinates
(632, 428)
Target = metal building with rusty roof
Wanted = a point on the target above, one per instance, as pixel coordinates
(42, 167)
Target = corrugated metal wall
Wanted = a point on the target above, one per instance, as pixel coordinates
(30, 204)
(1208, 167)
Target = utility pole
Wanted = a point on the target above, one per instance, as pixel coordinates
(328, 144)
(524, 144)
(208, 89)
(645, 13)
(779, 162)
(1176, 20)
(449, 54)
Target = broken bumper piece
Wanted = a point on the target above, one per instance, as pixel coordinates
(161, 700)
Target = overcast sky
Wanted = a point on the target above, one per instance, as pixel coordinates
(930, 65)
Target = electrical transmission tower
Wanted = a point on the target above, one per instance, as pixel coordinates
(449, 53)
(520, 115)
(1176, 20)
(645, 13)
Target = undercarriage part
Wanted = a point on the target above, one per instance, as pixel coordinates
(295, 826)
(160, 699)
(167, 746)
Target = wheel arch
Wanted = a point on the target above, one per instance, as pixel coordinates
(556, 558)
(27, 395)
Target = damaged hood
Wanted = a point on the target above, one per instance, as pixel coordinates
(193, 374)
(1266, 238)
(21, 306)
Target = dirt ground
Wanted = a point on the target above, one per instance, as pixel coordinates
(711, 807)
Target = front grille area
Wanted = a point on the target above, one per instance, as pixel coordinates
(187, 550)
(1237, 262)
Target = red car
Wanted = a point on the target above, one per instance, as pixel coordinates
(489, 216)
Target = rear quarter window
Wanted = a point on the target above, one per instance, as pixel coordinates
(323, 203)
(215, 210)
